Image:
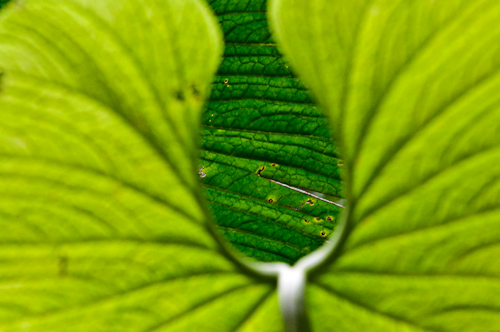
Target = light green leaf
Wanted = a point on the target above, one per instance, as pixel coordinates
(412, 90)
(261, 121)
(103, 224)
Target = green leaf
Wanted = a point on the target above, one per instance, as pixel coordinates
(412, 90)
(267, 152)
(103, 224)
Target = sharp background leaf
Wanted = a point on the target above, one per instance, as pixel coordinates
(412, 90)
(260, 117)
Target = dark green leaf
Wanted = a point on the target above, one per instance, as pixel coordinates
(261, 125)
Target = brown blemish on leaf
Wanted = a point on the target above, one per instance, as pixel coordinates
(194, 90)
(179, 95)
(63, 265)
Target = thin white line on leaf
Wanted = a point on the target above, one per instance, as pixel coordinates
(297, 189)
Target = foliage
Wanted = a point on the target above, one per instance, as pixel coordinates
(260, 125)
(412, 87)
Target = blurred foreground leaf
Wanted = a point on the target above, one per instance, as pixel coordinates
(103, 226)
(412, 90)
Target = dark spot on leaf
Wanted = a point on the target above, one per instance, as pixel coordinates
(260, 170)
(273, 165)
(226, 81)
(270, 200)
(329, 218)
(194, 90)
(63, 265)
(180, 96)
(317, 219)
(1, 80)
(323, 233)
(306, 221)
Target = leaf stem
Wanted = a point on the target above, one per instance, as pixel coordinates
(291, 292)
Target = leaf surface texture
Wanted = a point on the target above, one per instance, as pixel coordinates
(103, 224)
(412, 88)
(260, 124)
